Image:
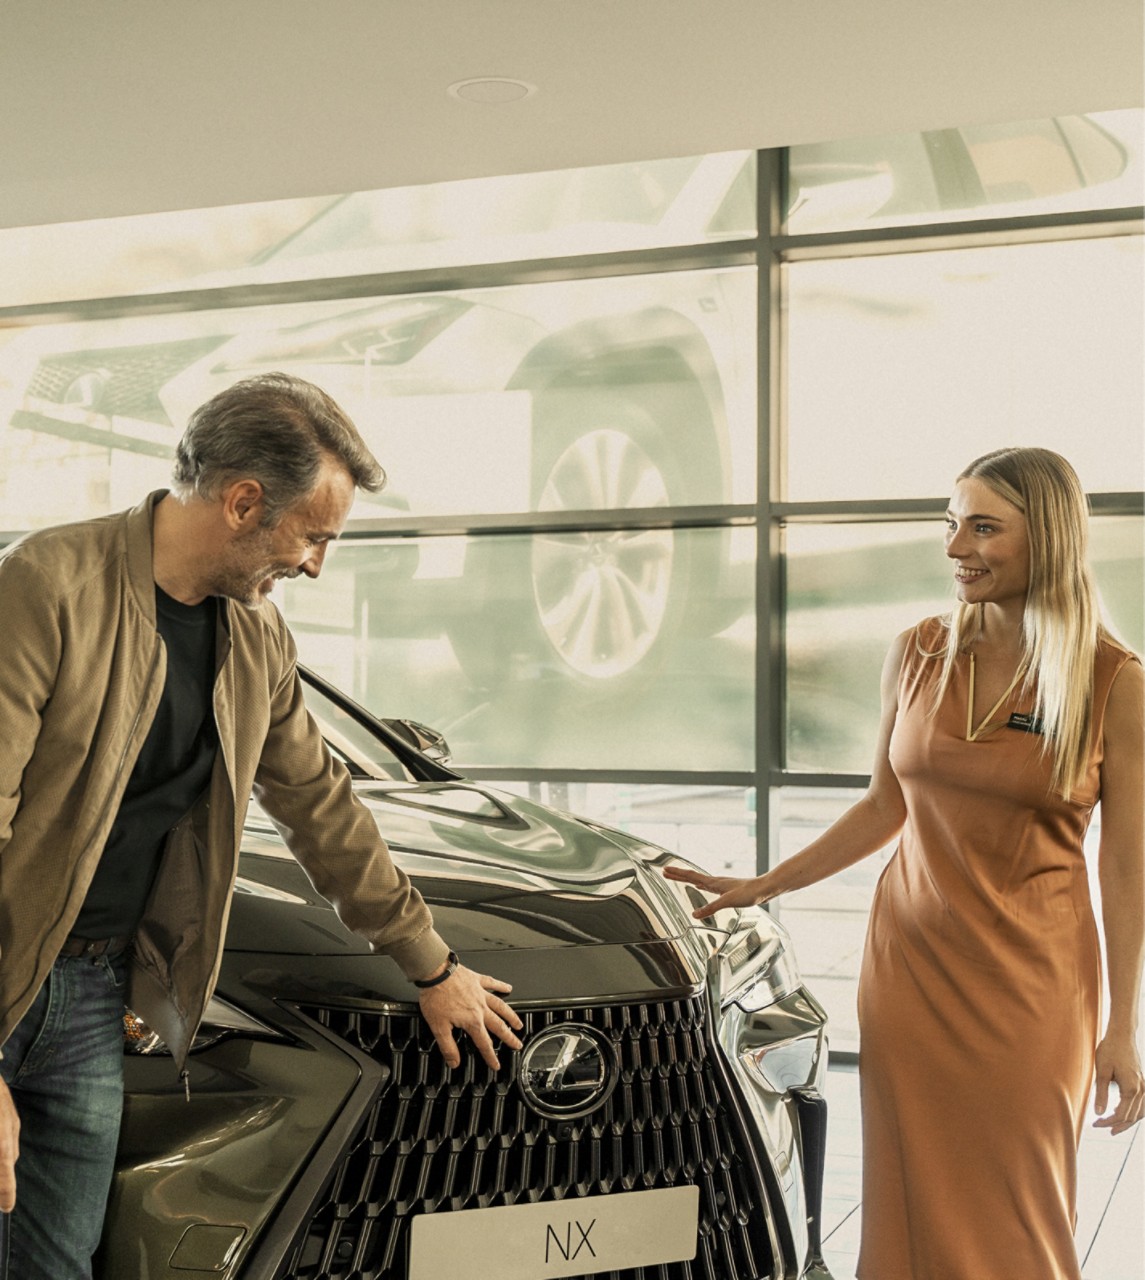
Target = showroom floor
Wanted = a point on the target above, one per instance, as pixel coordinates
(1111, 1177)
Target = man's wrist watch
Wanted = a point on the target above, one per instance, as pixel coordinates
(451, 964)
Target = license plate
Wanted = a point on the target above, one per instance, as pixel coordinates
(572, 1237)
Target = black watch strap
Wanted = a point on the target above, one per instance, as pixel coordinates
(451, 963)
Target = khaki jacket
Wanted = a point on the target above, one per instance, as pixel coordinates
(81, 671)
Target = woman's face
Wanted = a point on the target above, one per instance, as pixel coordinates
(987, 540)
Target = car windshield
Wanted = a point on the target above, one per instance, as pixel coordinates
(363, 752)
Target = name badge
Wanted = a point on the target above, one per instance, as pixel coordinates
(1026, 721)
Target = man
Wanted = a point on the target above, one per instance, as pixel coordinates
(147, 687)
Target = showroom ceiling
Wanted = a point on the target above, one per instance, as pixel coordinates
(131, 106)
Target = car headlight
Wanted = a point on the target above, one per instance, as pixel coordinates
(388, 334)
(219, 1021)
(757, 966)
(773, 1037)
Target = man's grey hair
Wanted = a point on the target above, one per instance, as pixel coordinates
(276, 429)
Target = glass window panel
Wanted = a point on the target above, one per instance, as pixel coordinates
(903, 369)
(1117, 553)
(144, 253)
(617, 650)
(562, 213)
(713, 827)
(979, 171)
(828, 920)
(631, 392)
(852, 588)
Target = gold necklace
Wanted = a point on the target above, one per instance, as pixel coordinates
(971, 732)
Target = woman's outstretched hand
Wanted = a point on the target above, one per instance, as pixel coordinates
(733, 891)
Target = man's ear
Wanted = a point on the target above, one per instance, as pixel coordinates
(243, 505)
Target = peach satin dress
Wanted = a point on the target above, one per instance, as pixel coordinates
(979, 996)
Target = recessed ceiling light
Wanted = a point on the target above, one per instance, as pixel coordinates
(491, 89)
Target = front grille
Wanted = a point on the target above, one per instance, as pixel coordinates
(437, 1140)
(121, 381)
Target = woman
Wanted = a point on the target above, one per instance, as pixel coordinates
(980, 990)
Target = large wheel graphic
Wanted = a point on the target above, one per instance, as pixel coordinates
(603, 596)
(602, 604)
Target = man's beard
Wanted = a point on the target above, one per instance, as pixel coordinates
(252, 565)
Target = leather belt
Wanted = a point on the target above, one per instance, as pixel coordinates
(74, 945)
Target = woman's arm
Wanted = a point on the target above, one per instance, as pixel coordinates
(1121, 869)
(866, 827)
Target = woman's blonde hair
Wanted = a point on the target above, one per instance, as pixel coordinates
(1061, 623)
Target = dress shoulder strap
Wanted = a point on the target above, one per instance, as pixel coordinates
(922, 656)
(930, 637)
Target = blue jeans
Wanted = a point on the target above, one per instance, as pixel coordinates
(64, 1066)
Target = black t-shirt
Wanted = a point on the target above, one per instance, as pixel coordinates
(173, 769)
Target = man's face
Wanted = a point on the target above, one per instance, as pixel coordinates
(297, 544)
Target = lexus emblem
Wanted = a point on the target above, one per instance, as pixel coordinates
(567, 1071)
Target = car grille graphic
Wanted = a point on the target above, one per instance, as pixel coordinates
(124, 381)
(436, 1140)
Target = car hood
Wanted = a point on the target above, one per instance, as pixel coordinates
(499, 873)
